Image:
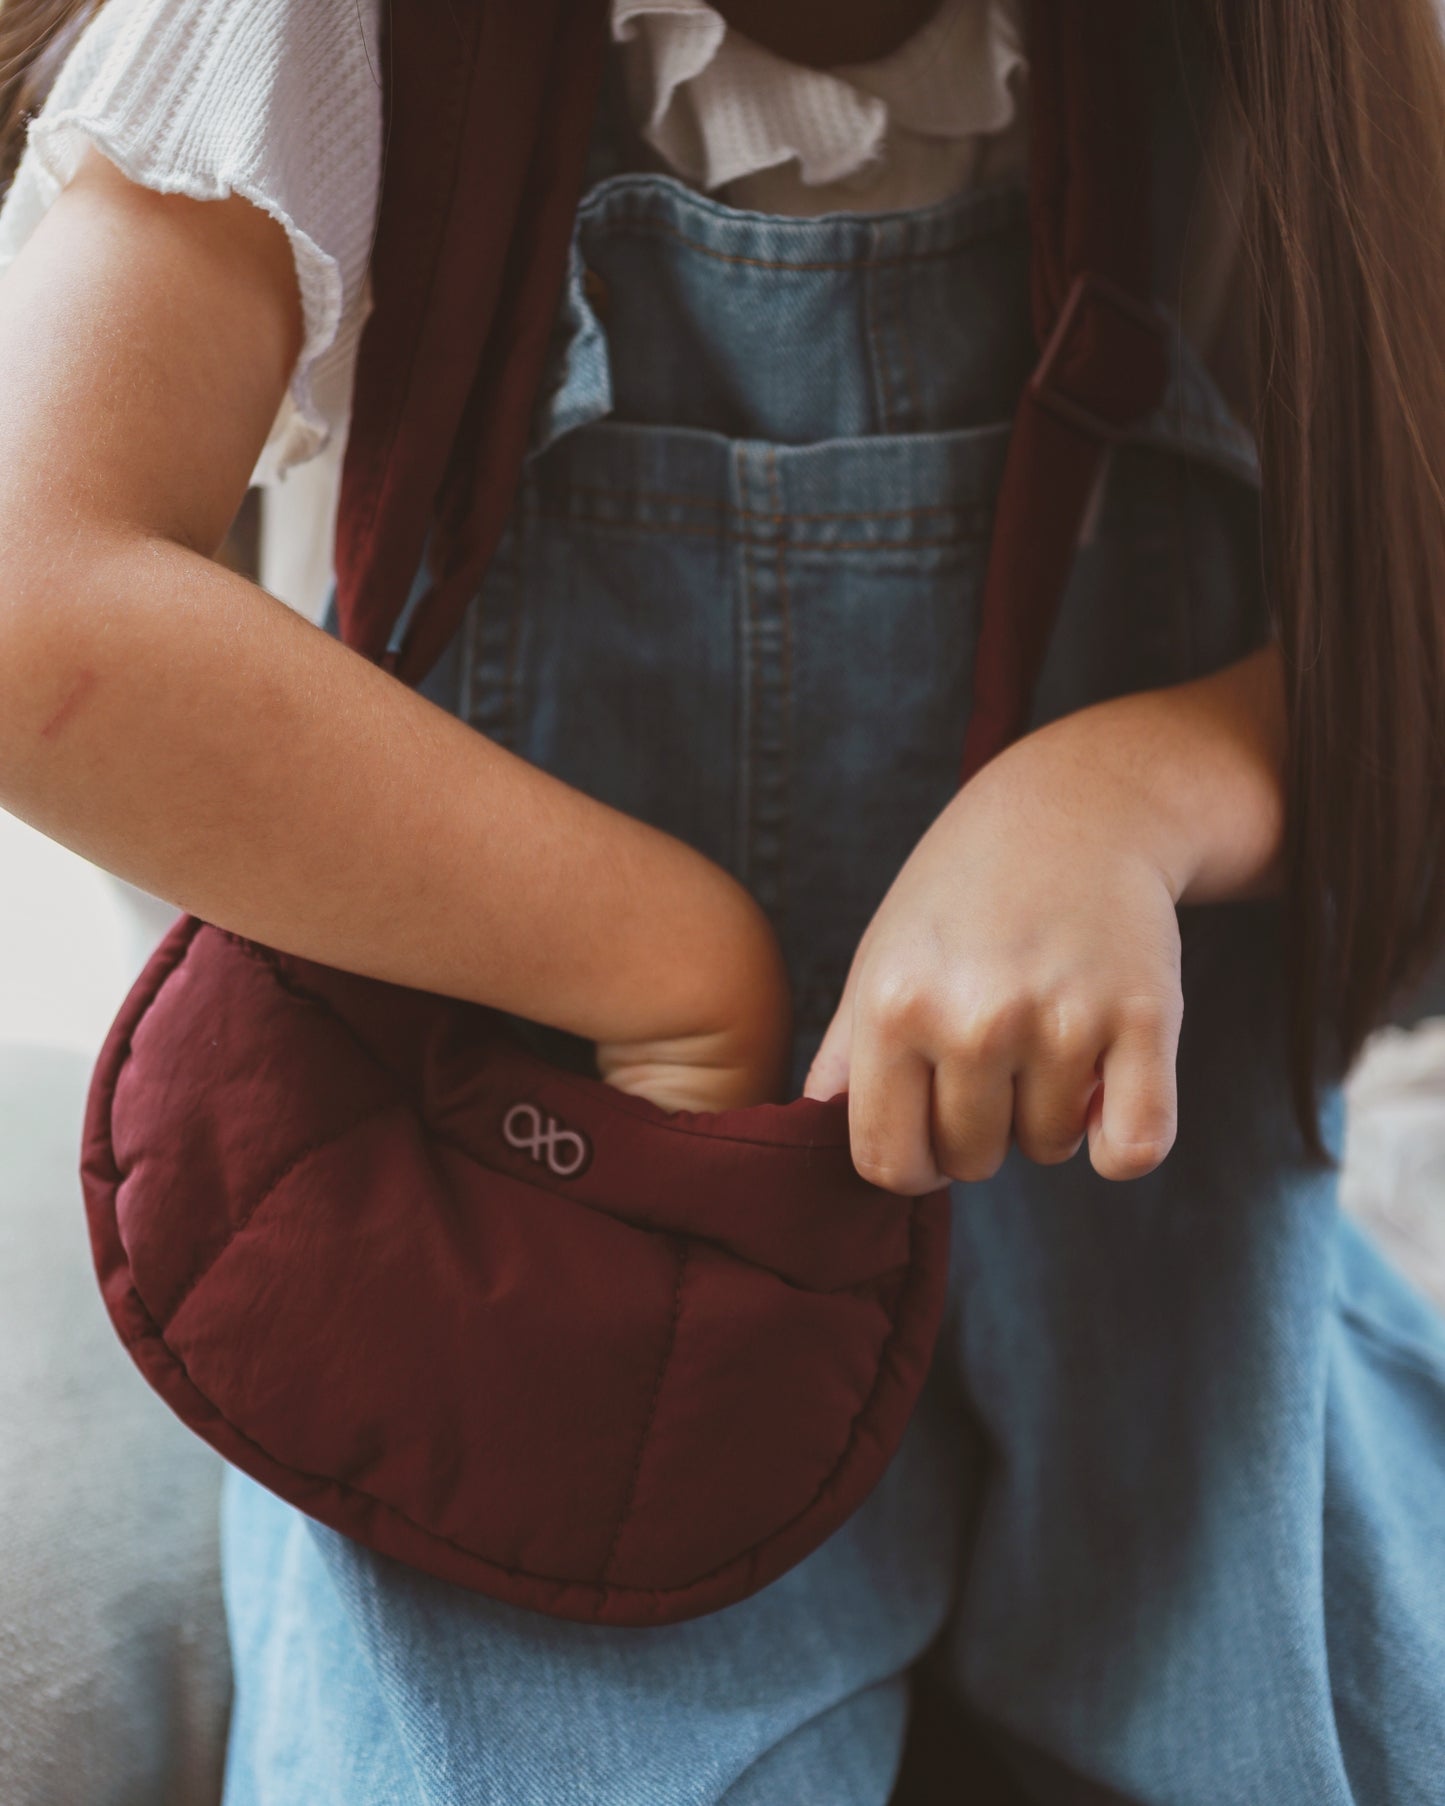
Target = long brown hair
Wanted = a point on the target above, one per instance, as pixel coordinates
(1340, 108)
(34, 37)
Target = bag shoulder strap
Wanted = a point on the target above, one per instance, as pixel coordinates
(1103, 360)
(487, 107)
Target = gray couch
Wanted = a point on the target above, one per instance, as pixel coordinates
(114, 1686)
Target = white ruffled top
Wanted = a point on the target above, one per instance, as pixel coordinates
(938, 114)
(280, 101)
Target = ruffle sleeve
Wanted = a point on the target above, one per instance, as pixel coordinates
(279, 101)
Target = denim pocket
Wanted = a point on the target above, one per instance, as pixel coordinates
(765, 650)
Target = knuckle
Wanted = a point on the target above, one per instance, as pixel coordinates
(1068, 1030)
(893, 1178)
(970, 1151)
(888, 1174)
(993, 1032)
(898, 999)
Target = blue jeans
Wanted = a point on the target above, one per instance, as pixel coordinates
(1170, 1517)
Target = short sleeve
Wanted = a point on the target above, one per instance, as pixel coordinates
(279, 101)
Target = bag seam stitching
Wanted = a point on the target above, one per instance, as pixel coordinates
(629, 1503)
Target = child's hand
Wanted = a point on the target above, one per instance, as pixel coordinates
(741, 1057)
(1021, 976)
(1022, 973)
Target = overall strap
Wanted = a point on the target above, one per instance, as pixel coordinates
(1103, 361)
(488, 110)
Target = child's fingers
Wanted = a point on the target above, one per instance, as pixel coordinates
(828, 1073)
(889, 1117)
(1134, 1126)
(1051, 1101)
(973, 1103)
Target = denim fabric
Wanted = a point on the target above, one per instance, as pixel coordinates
(1171, 1515)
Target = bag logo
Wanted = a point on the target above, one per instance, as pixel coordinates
(565, 1151)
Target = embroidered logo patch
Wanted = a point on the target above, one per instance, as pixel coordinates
(562, 1150)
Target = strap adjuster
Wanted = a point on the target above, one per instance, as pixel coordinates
(1089, 288)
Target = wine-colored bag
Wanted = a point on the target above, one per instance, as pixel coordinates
(495, 1318)
(483, 1313)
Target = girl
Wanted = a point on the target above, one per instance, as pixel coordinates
(1170, 1522)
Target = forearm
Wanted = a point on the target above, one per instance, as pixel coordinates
(167, 718)
(1193, 774)
(172, 722)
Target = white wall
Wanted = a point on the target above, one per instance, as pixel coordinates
(71, 937)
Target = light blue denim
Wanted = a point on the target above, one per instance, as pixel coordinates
(1172, 1518)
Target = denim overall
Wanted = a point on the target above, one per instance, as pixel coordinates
(1172, 1518)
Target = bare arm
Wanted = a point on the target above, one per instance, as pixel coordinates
(174, 723)
(1198, 766)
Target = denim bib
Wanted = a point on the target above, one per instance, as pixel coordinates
(739, 593)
